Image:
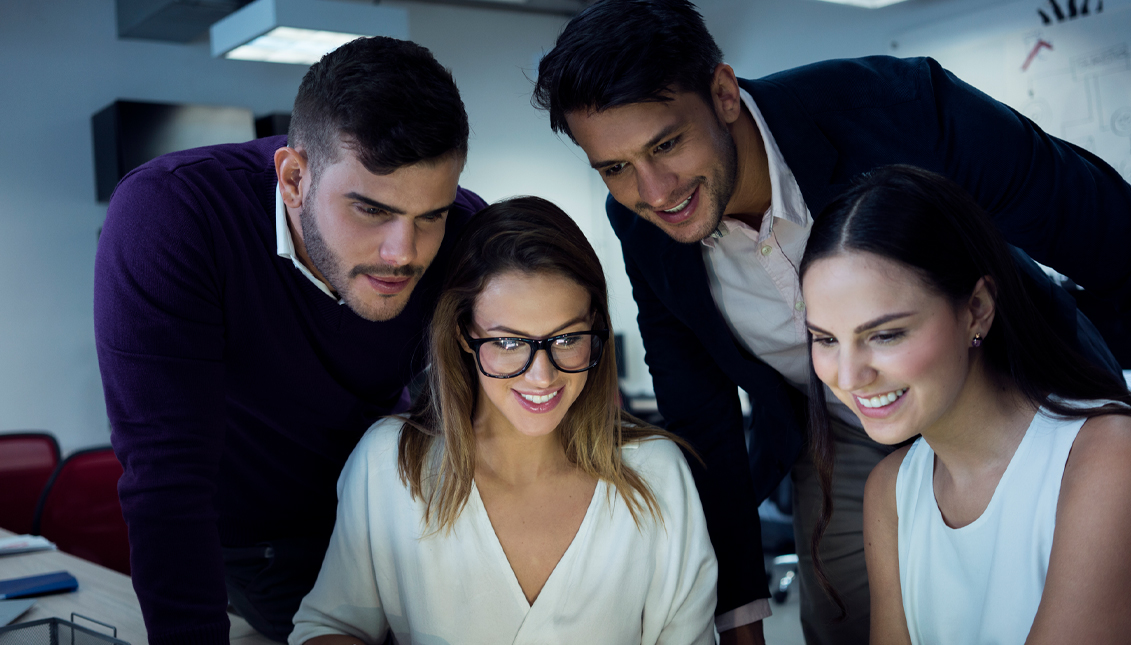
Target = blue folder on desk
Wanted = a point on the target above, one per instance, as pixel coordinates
(43, 584)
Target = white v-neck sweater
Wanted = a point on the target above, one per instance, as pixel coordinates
(615, 584)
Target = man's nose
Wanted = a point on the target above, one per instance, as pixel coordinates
(655, 185)
(398, 246)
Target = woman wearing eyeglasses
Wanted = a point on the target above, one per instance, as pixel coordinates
(517, 503)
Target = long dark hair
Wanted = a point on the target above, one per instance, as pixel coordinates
(930, 225)
(529, 235)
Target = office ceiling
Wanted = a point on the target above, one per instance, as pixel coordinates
(568, 8)
(185, 20)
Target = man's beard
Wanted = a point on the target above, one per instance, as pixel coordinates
(330, 266)
(719, 188)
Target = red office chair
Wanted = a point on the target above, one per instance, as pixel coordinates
(80, 512)
(27, 460)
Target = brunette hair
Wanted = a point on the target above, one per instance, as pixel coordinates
(618, 52)
(437, 444)
(932, 226)
(387, 99)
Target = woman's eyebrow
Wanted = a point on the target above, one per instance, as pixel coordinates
(881, 320)
(876, 322)
(522, 334)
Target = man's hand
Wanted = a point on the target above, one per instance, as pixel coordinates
(750, 634)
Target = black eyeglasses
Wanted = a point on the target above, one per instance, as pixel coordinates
(509, 357)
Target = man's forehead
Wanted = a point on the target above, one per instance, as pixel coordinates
(347, 148)
(624, 129)
(425, 186)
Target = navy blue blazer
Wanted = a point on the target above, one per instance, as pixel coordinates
(832, 121)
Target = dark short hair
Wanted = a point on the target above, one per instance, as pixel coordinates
(387, 99)
(619, 52)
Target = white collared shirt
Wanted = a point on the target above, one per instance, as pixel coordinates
(755, 284)
(285, 245)
(754, 280)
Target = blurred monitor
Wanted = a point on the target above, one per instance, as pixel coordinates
(272, 124)
(130, 133)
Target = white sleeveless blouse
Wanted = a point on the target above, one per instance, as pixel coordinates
(981, 584)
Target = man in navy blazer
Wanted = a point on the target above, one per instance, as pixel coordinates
(713, 183)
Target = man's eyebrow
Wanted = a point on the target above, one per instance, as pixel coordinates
(660, 137)
(438, 211)
(871, 324)
(392, 209)
(522, 334)
(374, 203)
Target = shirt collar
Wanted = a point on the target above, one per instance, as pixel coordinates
(285, 245)
(786, 201)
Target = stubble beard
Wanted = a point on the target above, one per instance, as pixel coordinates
(719, 188)
(329, 265)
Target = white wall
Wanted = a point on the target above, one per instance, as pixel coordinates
(63, 62)
(760, 37)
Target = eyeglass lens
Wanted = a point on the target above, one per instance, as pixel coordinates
(569, 352)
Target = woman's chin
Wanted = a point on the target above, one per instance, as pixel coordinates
(888, 434)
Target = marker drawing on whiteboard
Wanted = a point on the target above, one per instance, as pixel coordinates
(1041, 43)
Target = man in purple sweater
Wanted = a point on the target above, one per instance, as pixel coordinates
(236, 381)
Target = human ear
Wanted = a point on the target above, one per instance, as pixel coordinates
(982, 306)
(462, 340)
(290, 169)
(725, 94)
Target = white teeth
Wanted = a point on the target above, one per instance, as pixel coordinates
(538, 399)
(680, 207)
(882, 399)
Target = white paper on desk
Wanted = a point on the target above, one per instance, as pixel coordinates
(13, 609)
(24, 544)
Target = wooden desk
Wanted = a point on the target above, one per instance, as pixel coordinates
(103, 594)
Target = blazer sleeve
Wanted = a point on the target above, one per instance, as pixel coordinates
(160, 338)
(345, 599)
(1062, 205)
(699, 403)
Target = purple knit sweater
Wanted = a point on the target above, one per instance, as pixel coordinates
(235, 387)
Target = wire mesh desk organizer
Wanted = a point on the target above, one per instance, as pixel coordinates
(56, 631)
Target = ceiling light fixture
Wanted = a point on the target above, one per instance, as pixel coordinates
(867, 4)
(301, 31)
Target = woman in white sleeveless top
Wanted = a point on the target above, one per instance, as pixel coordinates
(1009, 519)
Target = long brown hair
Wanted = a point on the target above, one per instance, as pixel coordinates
(931, 225)
(437, 453)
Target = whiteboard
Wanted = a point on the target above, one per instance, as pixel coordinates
(1073, 78)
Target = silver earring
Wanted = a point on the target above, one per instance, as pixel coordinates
(977, 341)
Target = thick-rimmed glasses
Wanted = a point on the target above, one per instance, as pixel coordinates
(509, 357)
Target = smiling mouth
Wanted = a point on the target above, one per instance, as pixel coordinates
(681, 206)
(679, 213)
(881, 400)
(536, 399)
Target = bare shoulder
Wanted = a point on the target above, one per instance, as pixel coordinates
(1100, 455)
(1107, 431)
(881, 483)
(1088, 588)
